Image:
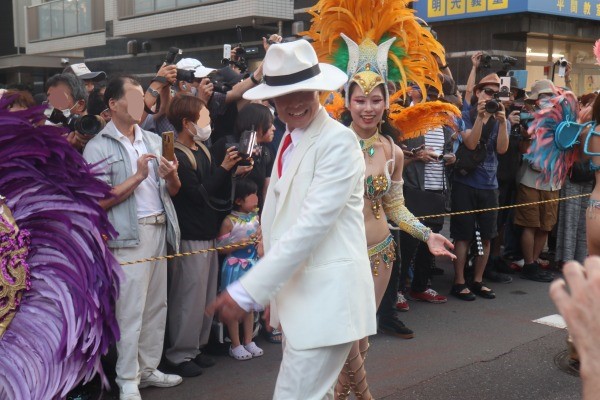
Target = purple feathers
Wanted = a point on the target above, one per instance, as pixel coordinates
(66, 320)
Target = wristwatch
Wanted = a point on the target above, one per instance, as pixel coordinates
(153, 92)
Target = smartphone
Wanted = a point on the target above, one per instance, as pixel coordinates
(227, 51)
(247, 143)
(168, 145)
(504, 94)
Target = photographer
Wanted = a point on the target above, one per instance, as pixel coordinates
(476, 188)
(205, 187)
(157, 98)
(66, 93)
(256, 117)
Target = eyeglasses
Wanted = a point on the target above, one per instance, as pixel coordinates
(490, 91)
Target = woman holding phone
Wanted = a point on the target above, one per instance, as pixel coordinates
(201, 204)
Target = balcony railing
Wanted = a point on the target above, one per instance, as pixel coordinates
(63, 18)
(134, 8)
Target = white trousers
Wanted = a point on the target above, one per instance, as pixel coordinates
(310, 374)
(141, 309)
(192, 287)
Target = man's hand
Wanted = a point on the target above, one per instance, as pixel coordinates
(227, 309)
(169, 72)
(501, 114)
(167, 169)
(515, 117)
(205, 90)
(476, 59)
(274, 38)
(579, 305)
(142, 165)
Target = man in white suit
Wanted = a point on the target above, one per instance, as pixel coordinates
(316, 274)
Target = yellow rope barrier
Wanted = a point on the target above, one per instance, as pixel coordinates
(192, 253)
(244, 244)
(503, 207)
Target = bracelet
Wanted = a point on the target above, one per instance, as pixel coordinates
(254, 80)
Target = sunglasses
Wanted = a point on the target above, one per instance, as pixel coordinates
(490, 91)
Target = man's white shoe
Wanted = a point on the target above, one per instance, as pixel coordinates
(129, 391)
(158, 379)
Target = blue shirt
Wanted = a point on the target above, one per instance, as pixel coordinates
(484, 176)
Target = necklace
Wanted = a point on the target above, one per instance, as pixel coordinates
(368, 145)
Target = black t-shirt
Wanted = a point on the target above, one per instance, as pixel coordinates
(263, 163)
(197, 220)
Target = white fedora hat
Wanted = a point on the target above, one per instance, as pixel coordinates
(294, 67)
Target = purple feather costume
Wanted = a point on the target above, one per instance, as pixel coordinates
(66, 320)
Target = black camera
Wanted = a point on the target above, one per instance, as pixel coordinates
(85, 124)
(492, 106)
(486, 61)
(240, 53)
(246, 145)
(183, 75)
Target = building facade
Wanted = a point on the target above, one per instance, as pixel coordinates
(537, 33)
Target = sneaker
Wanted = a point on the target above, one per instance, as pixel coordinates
(429, 295)
(401, 303)
(534, 273)
(517, 265)
(253, 349)
(393, 326)
(204, 361)
(491, 275)
(129, 391)
(158, 379)
(186, 369)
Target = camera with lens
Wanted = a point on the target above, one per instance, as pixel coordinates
(183, 75)
(245, 147)
(239, 61)
(486, 61)
(562, 67)
(492, 106)
(89, 125)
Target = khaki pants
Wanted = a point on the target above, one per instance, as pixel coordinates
(310, 374)
(141, 309)
(192, 287)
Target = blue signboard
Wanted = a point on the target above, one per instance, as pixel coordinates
(444, 10)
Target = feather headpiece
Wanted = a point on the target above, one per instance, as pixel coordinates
(376, 41)
(66, 320)
(546, 153)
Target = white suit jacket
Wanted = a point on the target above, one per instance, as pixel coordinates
(316, 273)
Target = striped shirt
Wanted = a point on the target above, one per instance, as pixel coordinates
(434, 171)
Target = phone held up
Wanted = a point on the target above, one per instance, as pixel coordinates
(168, 145)
(245, 147)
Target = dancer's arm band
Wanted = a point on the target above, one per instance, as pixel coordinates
(396, 211)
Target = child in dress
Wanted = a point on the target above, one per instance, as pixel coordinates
(239, 226)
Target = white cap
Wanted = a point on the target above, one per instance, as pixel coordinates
(191, 64)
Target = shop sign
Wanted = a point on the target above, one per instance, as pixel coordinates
(443, 10)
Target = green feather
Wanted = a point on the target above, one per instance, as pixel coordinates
(341, 56)
(393, 71)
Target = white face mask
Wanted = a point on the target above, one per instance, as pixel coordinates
(201, 134)
(545, 103)
(67, 112)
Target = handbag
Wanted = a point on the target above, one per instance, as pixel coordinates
(467, 160)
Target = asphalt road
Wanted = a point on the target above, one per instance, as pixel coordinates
(486, 349)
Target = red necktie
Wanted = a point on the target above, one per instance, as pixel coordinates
(286, 143)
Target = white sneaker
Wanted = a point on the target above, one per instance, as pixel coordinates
(129, 391)
(158, 379)
(253, 349)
